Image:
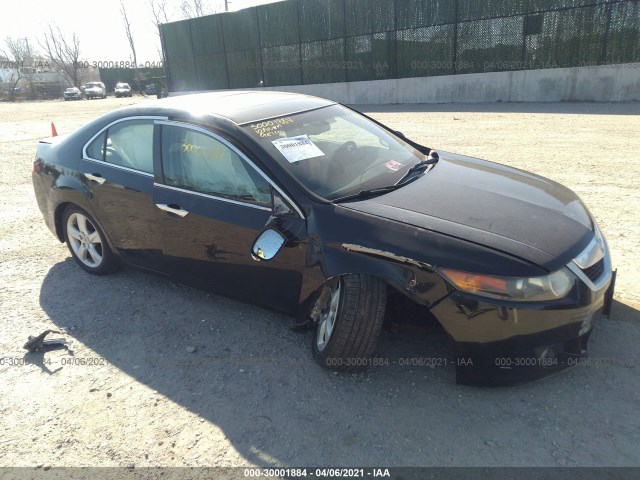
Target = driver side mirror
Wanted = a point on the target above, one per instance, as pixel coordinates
(267, 245)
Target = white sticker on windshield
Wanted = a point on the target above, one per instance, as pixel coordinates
(299, 148)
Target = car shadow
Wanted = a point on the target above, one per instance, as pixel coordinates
(567, 108)
(625, 312)
(240, 368)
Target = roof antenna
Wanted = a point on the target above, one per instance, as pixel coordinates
(54, 132)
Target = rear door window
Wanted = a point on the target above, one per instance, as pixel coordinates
(126, 144)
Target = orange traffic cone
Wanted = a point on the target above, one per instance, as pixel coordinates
(54, 132)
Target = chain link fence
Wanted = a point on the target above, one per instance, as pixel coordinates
(299, 42)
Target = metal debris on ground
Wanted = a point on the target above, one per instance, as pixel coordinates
(38, 343)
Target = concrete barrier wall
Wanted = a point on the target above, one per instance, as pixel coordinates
(605, 83)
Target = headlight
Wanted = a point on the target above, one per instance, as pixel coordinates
(535, 289)
(600, 236)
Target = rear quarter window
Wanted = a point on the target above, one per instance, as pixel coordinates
(95, 150)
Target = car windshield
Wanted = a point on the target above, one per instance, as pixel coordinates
(335, 152)
(122, 85)
(92, 85)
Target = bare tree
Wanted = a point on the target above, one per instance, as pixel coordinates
(193, 8)
(20, 57)
(127, 29)
(159, 12)
(63, 53)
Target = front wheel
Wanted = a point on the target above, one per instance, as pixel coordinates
(87, 242)
(349, 326)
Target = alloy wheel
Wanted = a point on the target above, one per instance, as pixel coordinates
(328, 320)
(85, 240)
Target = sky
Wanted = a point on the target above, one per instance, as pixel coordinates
(98, 24)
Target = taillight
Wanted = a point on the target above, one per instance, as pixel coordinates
(36, 166)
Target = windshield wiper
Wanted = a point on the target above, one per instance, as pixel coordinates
(420, 167)
(368, 193)
(406, 178)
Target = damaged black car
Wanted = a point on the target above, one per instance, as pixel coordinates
(305, 206)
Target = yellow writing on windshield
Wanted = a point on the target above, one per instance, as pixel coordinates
(271, 128)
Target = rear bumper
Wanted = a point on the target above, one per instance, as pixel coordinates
(508, 343)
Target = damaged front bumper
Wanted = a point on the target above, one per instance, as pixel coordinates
(506, 343)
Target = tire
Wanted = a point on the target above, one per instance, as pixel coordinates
(357, 304)
(86, 242)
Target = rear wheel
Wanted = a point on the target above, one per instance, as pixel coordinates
(87, 242)
(349, 326)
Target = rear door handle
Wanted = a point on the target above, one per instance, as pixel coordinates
(176, 210)
(96, 177)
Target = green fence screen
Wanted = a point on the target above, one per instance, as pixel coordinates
(298, 42)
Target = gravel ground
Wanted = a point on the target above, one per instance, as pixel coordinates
(165, 375)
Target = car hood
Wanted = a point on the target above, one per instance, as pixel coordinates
(506, 209)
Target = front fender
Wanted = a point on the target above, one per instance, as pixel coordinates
(339, 243)
(342, 240)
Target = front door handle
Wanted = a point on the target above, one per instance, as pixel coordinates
(95, 177)
(176, 210)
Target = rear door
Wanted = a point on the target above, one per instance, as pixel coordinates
(215, 203)
(117, 168)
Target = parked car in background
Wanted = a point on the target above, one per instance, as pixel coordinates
(95, 90)
(150, 89)
(123, 90)
(308, 207)
(72, 93)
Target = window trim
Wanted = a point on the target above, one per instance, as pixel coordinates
(85, 156)
(231, 146)
(213, 197)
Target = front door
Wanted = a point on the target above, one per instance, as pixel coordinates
(215, 204)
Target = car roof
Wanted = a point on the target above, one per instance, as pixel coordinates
(242, 107)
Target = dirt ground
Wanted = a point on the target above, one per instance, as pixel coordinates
(134, 394)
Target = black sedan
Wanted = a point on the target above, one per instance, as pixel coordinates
(305, 206)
